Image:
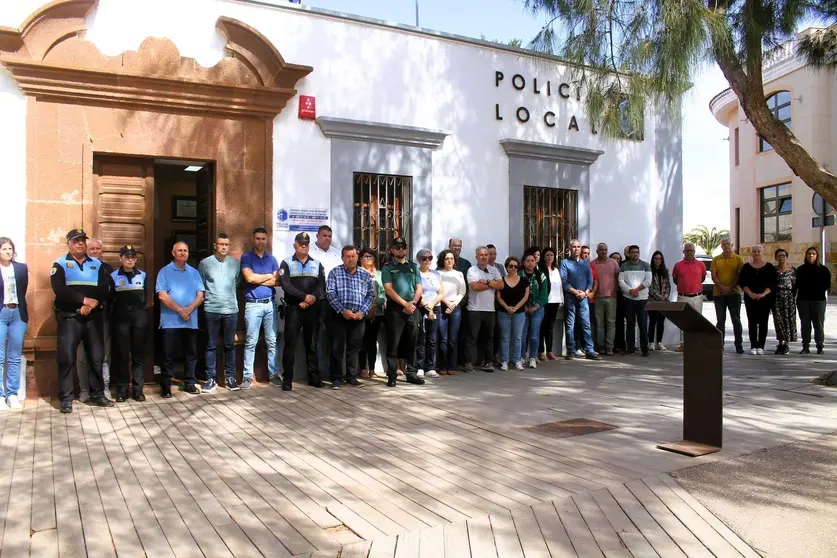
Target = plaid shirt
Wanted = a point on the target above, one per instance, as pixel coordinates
(350, 292)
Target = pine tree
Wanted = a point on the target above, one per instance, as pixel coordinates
(626, 55)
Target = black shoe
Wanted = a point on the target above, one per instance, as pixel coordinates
(276, 381)
(630, 351)
(192, 389)
(819, 350)
(354, 382)
(347, 379)
(805, 351)
(100, 402)
(785, 350)
(645, 352)
(66, 407)
(390, 382)
(121, 396)
(165, 392)
(335, 384)
(592, 356)
(415, 380)
(739, 349)
(780, 350)
(139, 395)
(569, 355)
(316, 383)
(287, 387)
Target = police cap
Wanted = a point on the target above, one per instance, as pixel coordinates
(399, 243)
(75, 234)
(127, 251)
(302, 238)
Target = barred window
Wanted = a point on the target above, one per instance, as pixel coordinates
(550, 218)
(382, 211)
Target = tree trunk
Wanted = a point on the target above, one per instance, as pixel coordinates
(750, 92)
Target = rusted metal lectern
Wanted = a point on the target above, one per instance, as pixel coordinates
(703, 380)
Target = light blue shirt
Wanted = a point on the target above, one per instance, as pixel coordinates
(221, 280)
(183, 286)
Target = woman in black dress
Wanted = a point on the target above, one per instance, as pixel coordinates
(758, 279)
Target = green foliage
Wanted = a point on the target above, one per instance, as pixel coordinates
(626, 55)
(706, 239)
(517, 43)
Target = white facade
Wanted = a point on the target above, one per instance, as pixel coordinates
(372, 72)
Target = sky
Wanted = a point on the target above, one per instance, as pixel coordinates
(705, 143)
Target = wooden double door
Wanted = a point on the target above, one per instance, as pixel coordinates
(127, 212)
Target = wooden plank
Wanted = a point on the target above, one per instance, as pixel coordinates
(356, 550)
(606, 537)
(18, 517)
(554, 534)
(481, 538)
(237, 541)
(696, 525)
(431, 542)
(255, 530)
(408, 545)
(627, 531)
(383, 548)
(456, 540)
(45, 544)
(356, 523)
(325, 554)
(684, 538)
(505, 535)
(529, 533)
(650, 529)
(153, 539)
(67, 513)
(179, 536)
(43, 499)
(581, 537)
(709, 517)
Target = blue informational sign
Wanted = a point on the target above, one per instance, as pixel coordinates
(299, 219)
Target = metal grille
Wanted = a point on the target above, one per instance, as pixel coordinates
(550, 218)
(381, 211)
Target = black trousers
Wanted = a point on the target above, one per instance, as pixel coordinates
(480, 322)
(187, 340)
(128, 332)
(72, 330)
(548, 328)
(369, 346)
(308, 322)
(401, 332)
(758, 312)
(656, 325)
(812, 313)
(346, 340)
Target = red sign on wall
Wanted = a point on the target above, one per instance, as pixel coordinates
(307, 107)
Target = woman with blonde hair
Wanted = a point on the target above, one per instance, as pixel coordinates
(758, 280)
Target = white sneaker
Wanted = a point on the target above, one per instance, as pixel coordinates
(518, 365)
(432, 374)
(504, 367)
(14, 402)
(661, 347)
(3, 406)
(533, 363)
(578, 353)
(650, 346)
(420, 373)
(754, 351)
(760, 351)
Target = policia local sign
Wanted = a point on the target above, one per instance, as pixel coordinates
(561, 90)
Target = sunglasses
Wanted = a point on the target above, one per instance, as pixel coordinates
(511, 266)
(426, 258)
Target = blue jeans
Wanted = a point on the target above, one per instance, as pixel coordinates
(511, 331)
(448, 338)
(214, 323)
(532, 331)
(578, 309)
(12, 330)
(259, 316)
(426, 344)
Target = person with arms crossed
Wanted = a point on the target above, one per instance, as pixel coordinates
(483, 282)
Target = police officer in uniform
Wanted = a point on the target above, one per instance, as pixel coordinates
(129, 325)
(303, 281)
(81, 286)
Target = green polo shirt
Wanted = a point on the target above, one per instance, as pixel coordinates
(404, 278)
(221, 280)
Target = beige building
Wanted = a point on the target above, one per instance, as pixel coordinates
(769, 205)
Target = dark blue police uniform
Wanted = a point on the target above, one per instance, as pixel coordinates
(129, 328)
(72, 281)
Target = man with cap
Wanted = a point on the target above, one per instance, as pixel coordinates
(129, 324)
(303, 280)
(81, 285)
(402, 284)
(181, 291)
(94, 250)
(260, 272)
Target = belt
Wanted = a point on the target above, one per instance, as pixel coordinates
(10, 306)
(690, 294)
(129, 308)
(259, 300)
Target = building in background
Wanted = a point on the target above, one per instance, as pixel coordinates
(142, 130)
(769, 205)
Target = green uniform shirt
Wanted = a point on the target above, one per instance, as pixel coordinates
(221, 281)
(404, 277)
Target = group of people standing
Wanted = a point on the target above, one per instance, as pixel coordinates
(437, 319)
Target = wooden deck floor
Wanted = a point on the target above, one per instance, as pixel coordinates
(410, 472)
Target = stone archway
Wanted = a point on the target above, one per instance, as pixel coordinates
(146, 103)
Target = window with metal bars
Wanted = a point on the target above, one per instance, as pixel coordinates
(550, 218)
(382, 211)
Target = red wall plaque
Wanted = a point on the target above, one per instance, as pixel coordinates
(307, 107)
